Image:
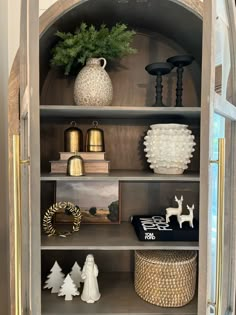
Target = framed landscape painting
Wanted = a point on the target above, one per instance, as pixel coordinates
(98, 201)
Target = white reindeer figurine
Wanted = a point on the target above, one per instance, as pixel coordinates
(174, 211)
(187, 217)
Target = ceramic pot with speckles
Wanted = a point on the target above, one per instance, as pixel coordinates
(93, 86)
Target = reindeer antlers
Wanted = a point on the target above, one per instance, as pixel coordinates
(190, 208)
(181, 199)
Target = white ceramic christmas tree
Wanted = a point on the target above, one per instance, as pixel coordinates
(68, 289)
(55, 279)
(91, 292)
(76, 274)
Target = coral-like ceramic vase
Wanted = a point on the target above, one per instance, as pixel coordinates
(169, 148)
(93, 86)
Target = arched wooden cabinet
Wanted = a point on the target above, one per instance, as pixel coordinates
(164, 28)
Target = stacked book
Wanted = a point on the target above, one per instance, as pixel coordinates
(94, 163)
(155, 228)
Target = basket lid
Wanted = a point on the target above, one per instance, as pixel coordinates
(167, 256)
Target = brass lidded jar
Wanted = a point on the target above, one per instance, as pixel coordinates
(95, 139)
(75, 166)
(73, 139)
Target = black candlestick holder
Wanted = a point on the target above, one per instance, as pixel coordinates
(180, 62)
(159, 69)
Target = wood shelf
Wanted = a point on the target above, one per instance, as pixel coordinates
(117, 297)
(69, 111)
(125, 175)
(109, 237)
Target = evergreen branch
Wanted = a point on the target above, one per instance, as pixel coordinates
(87, 42)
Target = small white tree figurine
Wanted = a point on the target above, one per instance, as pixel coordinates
(187, 217)
(54, 279)
(76, 274)
(68, 289)
(91, 292)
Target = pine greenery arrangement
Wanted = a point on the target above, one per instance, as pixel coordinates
(88, 42)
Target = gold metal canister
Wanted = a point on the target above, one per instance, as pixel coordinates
(95, 139)
(73, 139)
(75, 166)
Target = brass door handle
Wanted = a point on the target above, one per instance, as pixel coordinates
(17, 222)
(220, 228)
(25, 162)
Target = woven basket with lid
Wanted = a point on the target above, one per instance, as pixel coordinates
(166, 278)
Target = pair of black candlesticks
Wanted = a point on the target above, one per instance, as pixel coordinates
(161, 68)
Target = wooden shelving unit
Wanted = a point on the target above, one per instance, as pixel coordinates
(46, 112)
(118, 297)
(68, 111)
(109, 237)
(125, 175)
(140, 190)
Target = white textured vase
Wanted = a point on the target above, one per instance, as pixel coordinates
(93, 86)
(169, 148)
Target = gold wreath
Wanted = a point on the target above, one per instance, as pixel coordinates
(48, 216)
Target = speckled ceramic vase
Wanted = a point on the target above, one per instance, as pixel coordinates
(169, 148)
(93, 86)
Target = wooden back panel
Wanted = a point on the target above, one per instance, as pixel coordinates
(107, 261)
(132, 85)
(144, 198)
(123, 140)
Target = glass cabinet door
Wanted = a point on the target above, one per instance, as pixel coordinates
(221, 169)
(28, 281)
(215, 255)
(221, 272)
(218, 146)
(221, 206)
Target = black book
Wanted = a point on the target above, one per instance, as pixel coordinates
(155, 228)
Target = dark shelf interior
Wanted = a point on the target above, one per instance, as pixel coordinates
(123, 140)
(108, 237)
(117, 297)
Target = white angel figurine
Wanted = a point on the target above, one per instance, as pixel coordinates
(91, 292)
